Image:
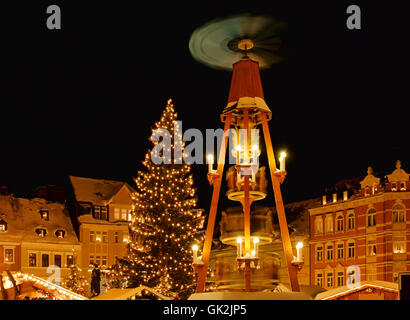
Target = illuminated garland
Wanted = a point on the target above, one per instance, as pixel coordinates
(164, 225)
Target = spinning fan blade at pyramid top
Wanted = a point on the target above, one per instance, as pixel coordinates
(222, 42)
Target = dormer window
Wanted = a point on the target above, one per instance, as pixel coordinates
(100, 212)
(60, 234)
(44, 215)
(393, 186)
(42, 232)
(402, 186)
(3, 226)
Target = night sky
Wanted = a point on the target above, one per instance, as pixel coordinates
(82, 100)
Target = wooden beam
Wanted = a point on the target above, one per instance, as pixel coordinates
(214, 207)
(287, 245)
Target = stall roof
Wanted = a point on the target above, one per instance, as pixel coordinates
(124, 294)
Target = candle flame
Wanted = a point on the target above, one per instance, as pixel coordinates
(256, 240)
(211, 158)
(283, 155)
(239, 240)
(195, 247)
(299, 245)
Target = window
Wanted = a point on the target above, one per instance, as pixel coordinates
(116, 237)
(329, 223)
(129, 215)
(98, 236)
(329, 252)
(399, 246)
(57, 260)
(42, 232)
(116, 214)
(351, 221)
(393, 186)
(60, 234)
(104, 261)
(340, 223)
(319, 253)
(402, 186)
(100, 212)
(319, 280)
(125, 238)
(92, 260)
(124, 214)
(340, 279)
(3, 226)
(70, 260)
(44, 214)
(329, 281)
(371, 218)
(350, 249)
(340, 251)
(32, 259)
(92, 236)
(371, 248)
(398, 213)
(318, 225)
(45, 260)
(9, 255)
(98, 260)
(104, 237)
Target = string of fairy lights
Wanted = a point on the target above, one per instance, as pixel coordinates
(164, 223)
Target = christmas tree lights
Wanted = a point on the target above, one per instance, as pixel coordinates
(165, 224)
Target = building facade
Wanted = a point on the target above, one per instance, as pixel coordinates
(37, 237)
(364, 237)
(101, 214)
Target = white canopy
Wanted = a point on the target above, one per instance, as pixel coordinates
(124, 294)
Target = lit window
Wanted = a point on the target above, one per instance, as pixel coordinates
(104, 261)
(98, 260)
(319, 253)
(3, 226)
(92, 236)
(91, 260)
(9, 255)
(318, 225)
(319, 280)
(350, 250)
(42, 232)
(60, 234)
(398, 213)
(329, 281)
(340, 279)
(116, 214)
(340, 251)
(329, 223)
(98, 236)
(371, 248)
(350, 221)
(402, 186)
(329, 250)
(124, 214)
(32, 259)
(44, 214)
(393, 186)
(70, 260)
(103, 214)
(371, 218)
(125, 238)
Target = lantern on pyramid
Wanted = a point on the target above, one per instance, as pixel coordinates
(244, 44)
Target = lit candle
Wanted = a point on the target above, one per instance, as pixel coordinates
(210, 162)
(299, 247)
(195, 252)
(256, 246)
(239, 248)
(282, 161)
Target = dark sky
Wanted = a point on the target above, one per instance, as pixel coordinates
(81, 100)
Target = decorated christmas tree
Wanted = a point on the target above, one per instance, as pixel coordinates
(165, 224)
(75, 281)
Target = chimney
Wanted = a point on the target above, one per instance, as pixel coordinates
(334, 197)
(344, 195)
(323, 200)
